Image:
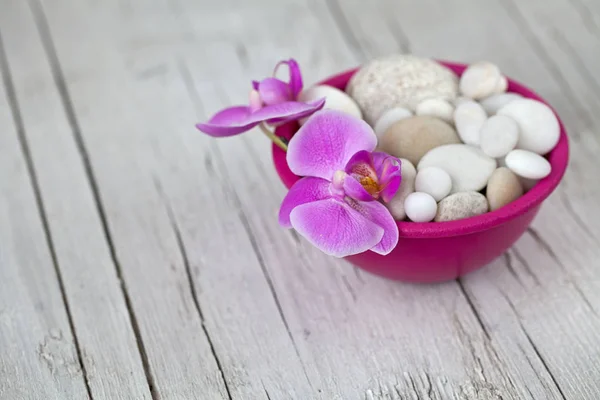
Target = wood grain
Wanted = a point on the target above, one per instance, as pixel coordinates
(39, 357)
(113, 365)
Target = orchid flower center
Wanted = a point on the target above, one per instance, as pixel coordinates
(367, 177)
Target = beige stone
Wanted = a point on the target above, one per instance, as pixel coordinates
(460, 206)
(412, 137)
(503, 187)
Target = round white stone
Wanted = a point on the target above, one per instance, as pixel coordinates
(439, 108)
(420, 207)
(389, 118)
(499, 135)
(480, 80)
(493, 103)
(502, 85)
(335, 99)
(433, 181)
(459, 100)
(468, 167)
(528, 164)
(539, 129)
(469, 117)
(396, 204)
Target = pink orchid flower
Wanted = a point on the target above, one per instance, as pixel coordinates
(271, 100)
(334, 206)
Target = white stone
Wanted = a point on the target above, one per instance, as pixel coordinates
(499, 135)
(420, 207)
(389, 118)
(493, 103)
(439, 108)
(433, 181)
(335, 99)
(469, 117)
(407, 186)
(528, 164)
(480, 80)
(468, 167)
(400, 80)
(539, 129)
(502, 85)
(459, 100)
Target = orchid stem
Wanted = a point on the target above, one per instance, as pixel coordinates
(276, 139)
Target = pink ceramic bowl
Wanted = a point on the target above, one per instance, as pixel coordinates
(439, 251)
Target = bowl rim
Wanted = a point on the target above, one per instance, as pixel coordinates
(558, 158)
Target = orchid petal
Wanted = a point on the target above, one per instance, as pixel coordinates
(306, 190)
(388, 169)
(295, 82)
(378, 214)
(288, 111)
(354, 189)
(326, 142)
(273, 91)
(255, 85)
(335, 228)
(228, 122)
(235, 120)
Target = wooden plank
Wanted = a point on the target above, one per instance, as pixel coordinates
(101, 320)
(496, 377)
(38, 355)
(171, 212)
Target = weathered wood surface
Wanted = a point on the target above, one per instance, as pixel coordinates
(140, 259)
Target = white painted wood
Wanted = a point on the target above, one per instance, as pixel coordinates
(112, 361)
(38, 356)
(160, 185)
(261, 308)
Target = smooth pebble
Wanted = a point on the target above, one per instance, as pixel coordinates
(400, 80)
(498, 136)
(412, 137)
(460, 206)
(528, 164)
(468, 167)
(433, 181)
(503, 188)
(539, 129)
(480, 80)
(459, 100)
(407, 186)
(335, 99)
(389, 118)
(493, 103)
(502, 85)
(420, 207)
(439, 108)
(469, 117)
